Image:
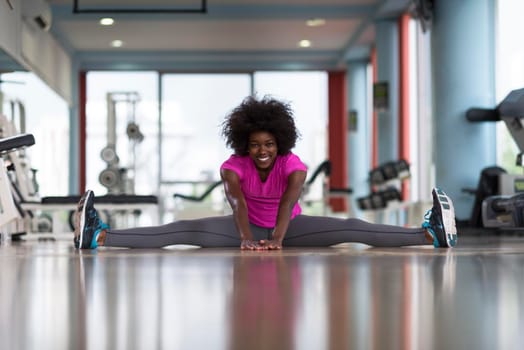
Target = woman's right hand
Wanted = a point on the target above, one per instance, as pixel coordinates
(247, 244)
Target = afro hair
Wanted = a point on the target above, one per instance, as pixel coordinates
(253, 115)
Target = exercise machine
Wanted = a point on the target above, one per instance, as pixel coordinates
(115, 177)
(499, 197)
(24, 211)
(11, 214)
(323, 171)
(385, 181)
(206, 199)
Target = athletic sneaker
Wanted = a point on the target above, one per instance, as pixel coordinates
(87, 224)
(440, 220)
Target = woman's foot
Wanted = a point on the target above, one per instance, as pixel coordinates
(88, 225)
(440, 220)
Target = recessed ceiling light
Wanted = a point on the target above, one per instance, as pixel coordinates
(107, 21)
(117, 43)
(315, 22)
(304, 43)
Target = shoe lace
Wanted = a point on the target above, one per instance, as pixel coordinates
(427, 219)
(428, 226)
(98, 224)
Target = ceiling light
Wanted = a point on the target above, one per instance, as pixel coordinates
(106, 21)
(117, 43)
(315, 22)
(304, 43)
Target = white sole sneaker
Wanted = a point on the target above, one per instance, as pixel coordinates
(443, 214)
(83, 205)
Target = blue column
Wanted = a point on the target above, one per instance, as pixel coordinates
(387, 71)
(74, 130)
(359, 144)
(462, 52)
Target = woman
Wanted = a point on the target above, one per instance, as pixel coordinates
(263, 181)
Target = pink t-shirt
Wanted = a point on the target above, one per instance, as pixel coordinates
(263, 198)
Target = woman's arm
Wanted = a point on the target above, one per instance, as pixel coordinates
(290, 197)
(238, 204)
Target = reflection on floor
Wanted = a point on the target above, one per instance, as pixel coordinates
(345, 297)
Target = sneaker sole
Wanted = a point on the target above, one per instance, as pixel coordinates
(82, 203)
(446, 205)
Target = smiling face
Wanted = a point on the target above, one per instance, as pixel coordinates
(262, 148)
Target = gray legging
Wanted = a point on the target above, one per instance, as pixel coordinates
(303, 231)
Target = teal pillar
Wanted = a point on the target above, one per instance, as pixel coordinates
(359, 144)
(387, 72)
(74, 131)
(462, 51)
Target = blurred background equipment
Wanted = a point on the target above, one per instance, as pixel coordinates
(121, 110)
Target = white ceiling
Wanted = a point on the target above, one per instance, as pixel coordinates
(230, 35)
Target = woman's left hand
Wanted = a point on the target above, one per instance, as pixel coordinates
(271, 244)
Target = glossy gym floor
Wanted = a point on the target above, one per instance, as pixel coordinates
(346, 297)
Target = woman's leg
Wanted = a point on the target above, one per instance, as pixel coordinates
(217, 231)
(326, 231)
